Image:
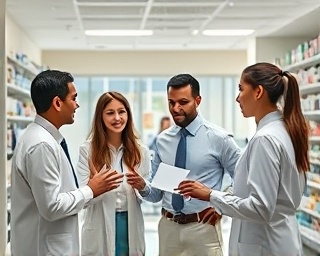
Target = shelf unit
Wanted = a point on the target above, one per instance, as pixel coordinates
(19, 77)
(17, 92)
(310, 237)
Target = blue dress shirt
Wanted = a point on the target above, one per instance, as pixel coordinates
(211, 152)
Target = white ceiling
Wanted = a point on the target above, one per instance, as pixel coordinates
(60, 24)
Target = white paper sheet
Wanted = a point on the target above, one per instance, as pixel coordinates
(168, 177)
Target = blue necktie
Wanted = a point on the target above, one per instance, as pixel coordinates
(177, 200)
(65, 149)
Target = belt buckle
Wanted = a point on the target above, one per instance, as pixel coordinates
(180, 218)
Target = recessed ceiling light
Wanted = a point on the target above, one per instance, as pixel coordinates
(119, 32)
(195, 32)
(227, 32)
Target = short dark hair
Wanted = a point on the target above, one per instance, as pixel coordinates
(47, 85)
(182, 80)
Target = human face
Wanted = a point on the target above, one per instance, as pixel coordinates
(246, 99)
(165, 124)
(69, 105)
(182, 105)
(115, 117)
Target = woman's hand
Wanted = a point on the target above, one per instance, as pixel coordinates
(104, 181)
(135, 180)
(194, 189)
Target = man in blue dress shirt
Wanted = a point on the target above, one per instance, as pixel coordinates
(192, 227)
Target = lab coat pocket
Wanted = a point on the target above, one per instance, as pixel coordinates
(89, 242)
(59, 244)
(249, 249)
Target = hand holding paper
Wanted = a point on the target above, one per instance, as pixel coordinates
(169, 177)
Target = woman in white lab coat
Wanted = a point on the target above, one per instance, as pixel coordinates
(113, 222)
(270, 176)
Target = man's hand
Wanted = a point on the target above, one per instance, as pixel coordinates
(104, 181)
(194, 189)
(210, 217)
(135, 180)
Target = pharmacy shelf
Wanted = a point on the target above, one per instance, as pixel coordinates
(20, 119)
(26, 69)
(310, 238)
(17, 92)
(313, 184)
(314, 161)
(313, 115)
(314, 139)
(310, 212)
(304, 64)
(309, 88)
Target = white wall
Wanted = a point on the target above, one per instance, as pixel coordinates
(19, 42)
(159, 63)
(153, 63)
(269, 48)
(146, 62)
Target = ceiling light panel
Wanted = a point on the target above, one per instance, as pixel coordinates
(114, 32)
(110, 1)
(111, 24)
(227, 32)
(110, 10)
(184, 2)
(182, 10)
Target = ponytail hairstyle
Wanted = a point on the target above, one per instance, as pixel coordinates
(283, 85)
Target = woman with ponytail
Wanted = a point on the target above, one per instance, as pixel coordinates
(270, 175)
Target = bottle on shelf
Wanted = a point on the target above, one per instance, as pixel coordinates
(305, 61)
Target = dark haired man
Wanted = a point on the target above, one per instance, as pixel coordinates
(45, 197)
(191, 227)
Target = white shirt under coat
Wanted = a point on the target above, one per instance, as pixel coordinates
(98, 231)
(267, 192)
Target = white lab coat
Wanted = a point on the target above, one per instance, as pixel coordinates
(267, 191)
(98, 231)
(44, 197)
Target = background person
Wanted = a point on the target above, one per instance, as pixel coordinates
(270, 175)
(45, 197)
(209, 153)
(113, 223)
(165, 123)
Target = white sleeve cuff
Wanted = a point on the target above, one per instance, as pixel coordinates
(215, 196)
(86, 192)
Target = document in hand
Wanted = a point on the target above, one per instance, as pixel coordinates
(168, 177)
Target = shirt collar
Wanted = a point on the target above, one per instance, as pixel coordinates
(192, 128)
(49, 127)
(268, 118)
(113, 149)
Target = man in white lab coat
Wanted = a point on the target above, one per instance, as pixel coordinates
(45, 194)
